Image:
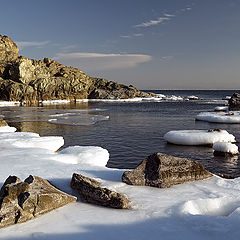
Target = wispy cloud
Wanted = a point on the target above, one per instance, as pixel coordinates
(159, 20)
(101, 61)
(22, 44)
(134, 35)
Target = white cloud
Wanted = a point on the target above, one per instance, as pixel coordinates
(168, 15)
(101, 61)
(22, 44)
(126, 36)
(133, 35)
(160, 20)
(138, 34)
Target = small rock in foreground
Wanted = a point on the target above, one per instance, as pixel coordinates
(90, 191)
(163, 171)
(22, 201)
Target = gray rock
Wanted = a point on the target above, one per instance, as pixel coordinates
(234, 102)
(90, 191)
(22, 201)
(163, 171)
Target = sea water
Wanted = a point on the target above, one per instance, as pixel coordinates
(130, 131)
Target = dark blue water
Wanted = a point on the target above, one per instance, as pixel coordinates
(135, 130)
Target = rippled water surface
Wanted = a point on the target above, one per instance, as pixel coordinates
(130, 131)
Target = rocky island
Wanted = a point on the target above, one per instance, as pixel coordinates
(31, 81)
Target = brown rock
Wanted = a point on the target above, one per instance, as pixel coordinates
(90, 191)
(22, 201)
(3, 123)
(163, 171)
(234, 102)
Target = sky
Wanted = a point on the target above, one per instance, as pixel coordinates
(151, 44)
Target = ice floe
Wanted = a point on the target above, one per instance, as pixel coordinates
(219, 117)
(221, 108)
(225, 147)
(198, 137)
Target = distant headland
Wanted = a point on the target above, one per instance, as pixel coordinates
(32, 81)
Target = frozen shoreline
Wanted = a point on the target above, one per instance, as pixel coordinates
(207, 209)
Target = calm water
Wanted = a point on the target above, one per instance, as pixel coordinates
(133, 130)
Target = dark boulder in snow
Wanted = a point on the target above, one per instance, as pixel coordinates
(163, 171)
(234, 102)
(90, 191)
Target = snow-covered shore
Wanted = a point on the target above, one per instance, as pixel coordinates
(207, 209)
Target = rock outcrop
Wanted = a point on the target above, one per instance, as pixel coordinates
(3, 123)
(90, 191)
(234, 102)
(22, 201)
(31, 81)
(163, 171)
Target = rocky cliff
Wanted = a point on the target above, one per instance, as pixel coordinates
(30, 81)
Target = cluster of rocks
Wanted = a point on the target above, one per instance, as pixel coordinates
(31, 81)
(24, 200)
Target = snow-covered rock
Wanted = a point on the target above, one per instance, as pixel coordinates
(198, 137)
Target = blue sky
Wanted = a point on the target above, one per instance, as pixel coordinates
(152, 44)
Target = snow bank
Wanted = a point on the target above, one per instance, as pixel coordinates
(222, 206)
(9, 103)
(221, 117)
(7, 129)
(30, 140)
(92, 155)
(225, 147)
(198, 137)
(180, 212)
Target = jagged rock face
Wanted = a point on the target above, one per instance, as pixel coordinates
(234, 102)
(22, 201)
(8, 53)
(26, 80)
(163, 171)
(90, 191)
(8, 50)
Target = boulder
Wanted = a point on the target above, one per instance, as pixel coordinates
(3, 123)
(8, 50)
(22, 201)
(163, 171)
(90, 191)
(234, 102)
